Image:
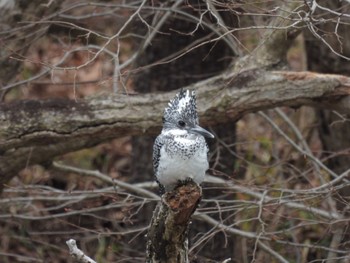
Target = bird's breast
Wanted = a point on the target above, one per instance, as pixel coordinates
(186, 147)
(182, 158)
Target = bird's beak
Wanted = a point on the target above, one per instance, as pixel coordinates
(199, 130)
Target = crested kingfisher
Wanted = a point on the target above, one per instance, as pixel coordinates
(180, 152)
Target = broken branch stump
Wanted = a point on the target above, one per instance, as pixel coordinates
(168, 233)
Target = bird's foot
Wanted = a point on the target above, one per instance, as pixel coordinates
(188, 180)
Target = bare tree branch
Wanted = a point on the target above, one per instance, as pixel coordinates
(77, 253)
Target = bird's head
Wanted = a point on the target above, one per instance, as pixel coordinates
(181, 115)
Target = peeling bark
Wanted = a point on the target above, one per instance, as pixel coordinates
(36, 131)
(167, 236)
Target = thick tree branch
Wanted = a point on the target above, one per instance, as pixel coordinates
(36, 131)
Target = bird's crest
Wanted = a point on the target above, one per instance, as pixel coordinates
(183, 106)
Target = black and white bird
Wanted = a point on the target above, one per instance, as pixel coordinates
(180, 152)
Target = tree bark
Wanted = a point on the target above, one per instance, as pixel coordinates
(168, 233)
(34, 132)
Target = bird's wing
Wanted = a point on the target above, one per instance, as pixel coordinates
(158, 143)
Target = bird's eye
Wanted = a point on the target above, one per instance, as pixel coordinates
(181, 123)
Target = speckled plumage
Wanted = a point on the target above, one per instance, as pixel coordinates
(183, 106)
(180, 151)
